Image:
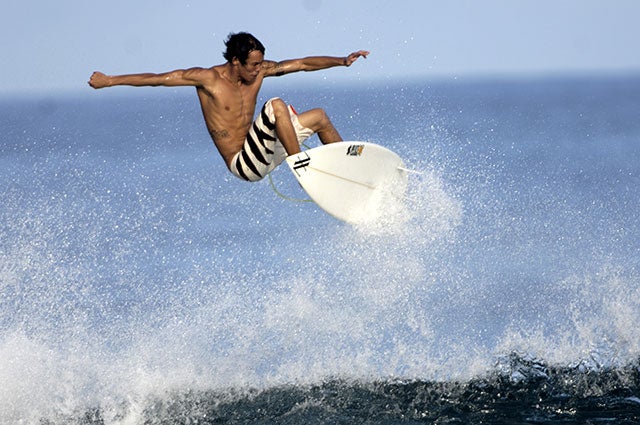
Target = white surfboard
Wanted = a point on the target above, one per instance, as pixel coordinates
(353, 181)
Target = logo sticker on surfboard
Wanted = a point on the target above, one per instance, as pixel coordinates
(301, 163)
(355, 150)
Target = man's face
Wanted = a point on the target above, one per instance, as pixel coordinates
(250, 70)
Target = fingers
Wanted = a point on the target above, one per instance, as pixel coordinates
(355, 55)
(98, 80)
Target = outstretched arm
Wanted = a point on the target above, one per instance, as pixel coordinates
(312, 63)
(180, 77)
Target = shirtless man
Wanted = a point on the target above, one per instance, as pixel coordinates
(228, 95)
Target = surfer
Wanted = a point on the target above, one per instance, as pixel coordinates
(228, 95)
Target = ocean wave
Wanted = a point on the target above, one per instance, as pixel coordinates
(140, 283)
(520, 389)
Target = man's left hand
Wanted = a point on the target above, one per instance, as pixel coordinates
(355, 55)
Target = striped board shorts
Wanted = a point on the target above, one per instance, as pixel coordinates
(262, 151)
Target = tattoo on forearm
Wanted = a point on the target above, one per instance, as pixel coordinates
(218, 134)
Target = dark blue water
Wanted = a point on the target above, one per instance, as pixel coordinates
(141, 283)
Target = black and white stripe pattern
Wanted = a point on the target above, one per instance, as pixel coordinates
(257, 152)
(262, 151)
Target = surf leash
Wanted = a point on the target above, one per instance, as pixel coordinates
(282, 195)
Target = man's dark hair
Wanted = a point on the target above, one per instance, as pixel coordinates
(240, 45)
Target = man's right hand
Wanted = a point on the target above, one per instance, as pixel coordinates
(98, 80)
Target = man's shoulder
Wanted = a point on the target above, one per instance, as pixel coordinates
(206, 78)
(208, 73)
(216, 69)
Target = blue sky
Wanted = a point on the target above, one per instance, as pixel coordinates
(53, 46)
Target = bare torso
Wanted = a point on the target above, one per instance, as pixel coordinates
(228, 95)
(228, 108)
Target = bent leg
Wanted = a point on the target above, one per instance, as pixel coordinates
(284, 128)
(318, 121)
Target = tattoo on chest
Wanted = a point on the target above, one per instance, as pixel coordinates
(218, 134)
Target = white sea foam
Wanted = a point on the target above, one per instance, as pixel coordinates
(118, 287)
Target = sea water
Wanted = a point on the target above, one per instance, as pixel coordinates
(140, 282)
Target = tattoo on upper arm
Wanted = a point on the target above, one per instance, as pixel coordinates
(274, 68)
(278, 69)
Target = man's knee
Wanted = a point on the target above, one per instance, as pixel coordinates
(279, 106)
(321, 119)
(315, 119)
